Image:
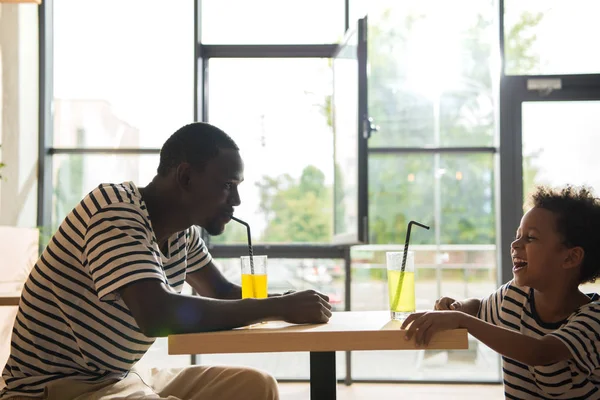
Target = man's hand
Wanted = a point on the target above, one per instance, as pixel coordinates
(424, 325)
(468, 306)
(305, 307)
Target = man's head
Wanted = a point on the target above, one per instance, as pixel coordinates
(205, 164)
(559, 234)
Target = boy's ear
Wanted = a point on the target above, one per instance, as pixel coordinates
(574, 257)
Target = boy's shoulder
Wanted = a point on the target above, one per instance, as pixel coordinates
(514, 291)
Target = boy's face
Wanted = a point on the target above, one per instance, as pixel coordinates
(538, 251)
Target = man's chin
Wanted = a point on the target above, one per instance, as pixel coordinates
(215, 230)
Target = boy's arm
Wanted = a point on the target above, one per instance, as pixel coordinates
(512, 344)
(509, 343)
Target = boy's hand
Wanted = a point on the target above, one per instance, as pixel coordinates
(424, 325)
(447, 303)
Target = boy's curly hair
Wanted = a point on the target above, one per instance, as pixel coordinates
(578, 221)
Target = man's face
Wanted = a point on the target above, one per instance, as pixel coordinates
(213, 191)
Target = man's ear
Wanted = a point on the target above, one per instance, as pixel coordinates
(184, 175)
(574, 257)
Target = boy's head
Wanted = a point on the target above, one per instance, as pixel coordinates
(562, 229)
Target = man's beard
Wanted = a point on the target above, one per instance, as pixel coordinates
(214, 228)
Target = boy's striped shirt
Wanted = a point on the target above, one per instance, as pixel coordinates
(71, 321)
(513, 307)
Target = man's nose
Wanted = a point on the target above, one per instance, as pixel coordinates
(234, 198)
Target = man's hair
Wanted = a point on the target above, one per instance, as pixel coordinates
(578, 221)
(196, 144)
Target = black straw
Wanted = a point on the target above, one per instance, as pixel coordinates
(249, 241)
(399, 289)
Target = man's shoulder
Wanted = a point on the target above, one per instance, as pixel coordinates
(115, 196)
(115, 193)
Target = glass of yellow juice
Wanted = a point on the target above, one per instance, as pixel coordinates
(254, 277)
(401, 283)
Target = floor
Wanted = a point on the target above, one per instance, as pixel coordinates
(382, 391)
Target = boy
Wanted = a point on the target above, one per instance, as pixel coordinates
(545, 328)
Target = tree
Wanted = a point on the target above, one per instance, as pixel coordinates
(296, 210)
(403, 187)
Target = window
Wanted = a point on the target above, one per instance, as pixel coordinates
(75, 175)
(119, 83)
(431, 90)
(272, 21)
(118, 80)
(549, 159)
(277, 110)
(431, 69)
(550, 37)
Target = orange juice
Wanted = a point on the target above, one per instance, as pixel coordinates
(254, 286)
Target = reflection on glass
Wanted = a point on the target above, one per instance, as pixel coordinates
(546, 37)
(345, 133)
(456, 258)
(406, 187)
(75, 175)
(324, 275)
(278, 111)
(272, 21)
(560, 142)
(118, 86)
(431, 68)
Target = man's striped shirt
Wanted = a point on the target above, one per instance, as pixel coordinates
(513, 307)
(71, 320)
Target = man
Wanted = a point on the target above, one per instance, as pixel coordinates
(110, 281)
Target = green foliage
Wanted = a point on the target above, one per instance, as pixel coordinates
(403, 187)
(296, 210)
(519, 41)
(234, 233)
(2, 165)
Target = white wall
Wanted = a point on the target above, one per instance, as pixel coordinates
(19, 113)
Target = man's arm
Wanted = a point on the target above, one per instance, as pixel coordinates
(208, 281)
(158, 311)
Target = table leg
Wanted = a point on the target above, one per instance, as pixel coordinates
(323, 380)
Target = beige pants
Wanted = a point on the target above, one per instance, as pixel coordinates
(191, 383)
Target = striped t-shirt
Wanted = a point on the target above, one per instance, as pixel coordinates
(71, 321)
(513, 307)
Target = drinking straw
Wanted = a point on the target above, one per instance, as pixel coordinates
(249, 242)
(400, 281)
(250, 253)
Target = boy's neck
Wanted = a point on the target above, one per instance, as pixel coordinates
(557, 305)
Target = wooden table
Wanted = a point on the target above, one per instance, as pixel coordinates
(353, 330)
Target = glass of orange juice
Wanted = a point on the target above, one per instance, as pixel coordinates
(254, 277)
